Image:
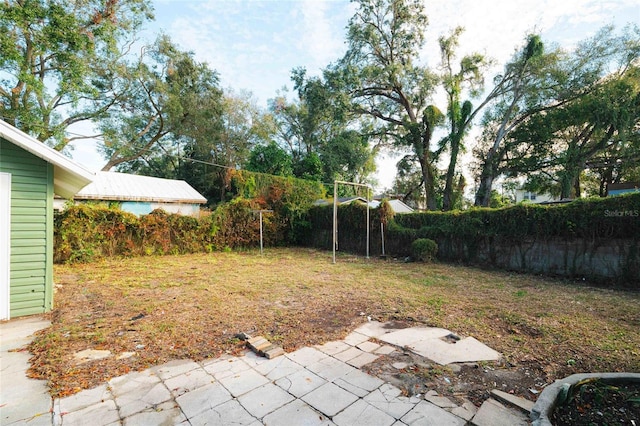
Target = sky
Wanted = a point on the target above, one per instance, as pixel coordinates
(254, 44)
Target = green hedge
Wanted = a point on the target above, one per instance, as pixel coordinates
(89, 231)
(598, 239)
(352, 227)
(613, 217)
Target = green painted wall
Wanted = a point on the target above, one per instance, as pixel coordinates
(31, 280)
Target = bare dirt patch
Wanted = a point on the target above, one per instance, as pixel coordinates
(171, 307)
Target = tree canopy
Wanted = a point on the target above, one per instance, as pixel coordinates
(57, 61)
(564, 120)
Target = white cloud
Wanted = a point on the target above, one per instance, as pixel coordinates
(322, 31)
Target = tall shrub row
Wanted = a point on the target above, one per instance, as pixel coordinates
(352, 227)
(595, 238)
(86, 232)
(597, 218)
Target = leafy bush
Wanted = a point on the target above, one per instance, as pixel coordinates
(424, 249)
(594, 238)
(86, 232)
(613, 217)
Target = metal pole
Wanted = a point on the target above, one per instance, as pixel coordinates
(260, 232)
(382, 236)
(335, 219)
(368, 223)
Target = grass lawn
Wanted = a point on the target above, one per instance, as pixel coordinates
(191, 306)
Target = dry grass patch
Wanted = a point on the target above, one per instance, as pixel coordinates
(192, 306)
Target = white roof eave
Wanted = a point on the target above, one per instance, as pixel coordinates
(68, 176)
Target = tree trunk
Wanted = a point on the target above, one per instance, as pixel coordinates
(422, 144)
(487, 176)
(447, 199)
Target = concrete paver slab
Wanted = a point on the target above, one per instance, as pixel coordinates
(147, 397)
(516, 401)
(225, 367)
(409, 336)
(440, 401)
(368, 346)
(301, 382)
(330, 368)
(164, 414)
(133, 382)
(428, 342)
(384, 350)
(296, 413)
(349, 354)
(427, 414)
(463, 413)
(278, 367)
(203, 399)
(227, 414)
(374, 329)
(175, 368)
(355, 338)
(306, 356)
(492, 413)
(332, 348)
(358, 383)
(388, 398)
(83, 399)
(362, 414)
(101, 413)
(188, 381)
(329, 399)
(264, 400)
(466, 350)
(363, 359)
(24, 398)
(253, 359)
(243, 382)
(18, 333)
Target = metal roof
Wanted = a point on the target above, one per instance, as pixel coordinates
(396, 205)
(68, 177)
(113, 186)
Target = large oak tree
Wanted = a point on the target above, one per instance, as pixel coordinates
(58, 58)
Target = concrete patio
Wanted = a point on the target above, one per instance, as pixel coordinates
(320, 385)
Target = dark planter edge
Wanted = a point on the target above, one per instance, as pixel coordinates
(546, 403)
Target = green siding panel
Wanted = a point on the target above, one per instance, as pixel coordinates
(29, 235)
(29, 178)
(26, 266)
(17, 258)
(24, 300)
(27, 311)
(27, 273)
(31, 284)
(28, 242)
(21, 202)
(29, 211)
(17, 228)
(27, 285)
(27, 250)
(25, 189)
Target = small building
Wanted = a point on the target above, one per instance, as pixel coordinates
(622, 188)
(30, 174)
(397, 206)
(141, 194)
(533, 197)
